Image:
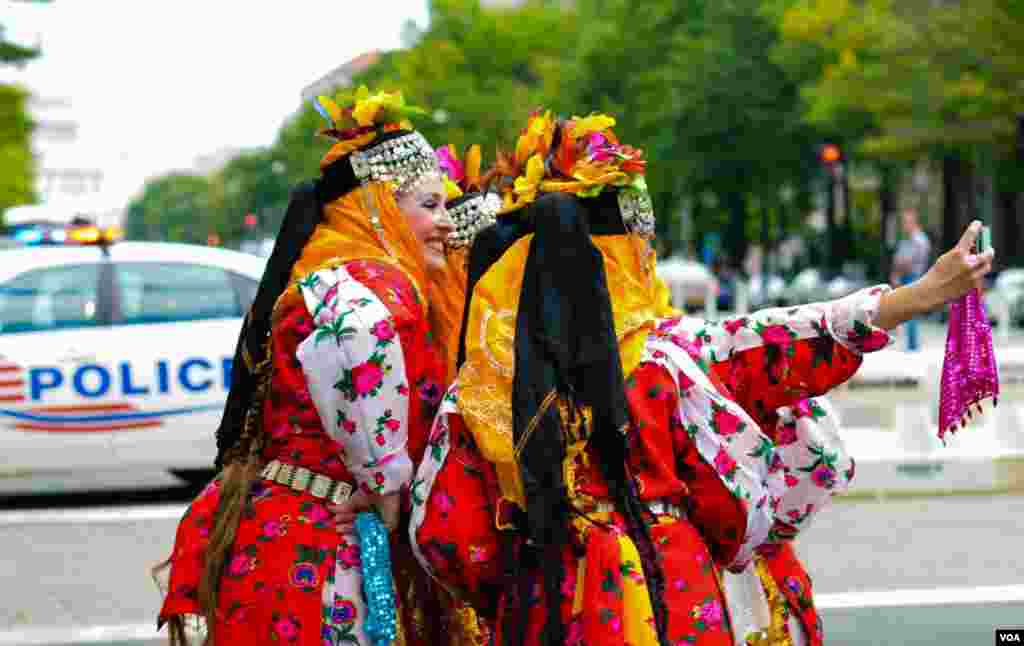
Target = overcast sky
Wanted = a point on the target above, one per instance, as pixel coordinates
(154, 84)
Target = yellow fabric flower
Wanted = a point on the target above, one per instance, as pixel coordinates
(451, 189)
(473, 160)
(368, 107)
(536, 140)
(594, 123)
(524, 191)
(331, 108)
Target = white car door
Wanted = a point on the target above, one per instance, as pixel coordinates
(176, 325)
(54, 373)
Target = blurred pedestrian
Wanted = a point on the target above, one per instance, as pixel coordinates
(338, 371)
(909, 263)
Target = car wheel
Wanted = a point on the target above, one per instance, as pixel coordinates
(195, 477)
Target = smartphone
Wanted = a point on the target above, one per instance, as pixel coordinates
(984, 240)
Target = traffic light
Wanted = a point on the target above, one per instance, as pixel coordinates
(830, 155)
(250, 221)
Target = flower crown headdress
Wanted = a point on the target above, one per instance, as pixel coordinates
(375, 132)
(581, 156)
(470, 208)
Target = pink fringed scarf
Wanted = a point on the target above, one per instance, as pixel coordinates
(969, 372)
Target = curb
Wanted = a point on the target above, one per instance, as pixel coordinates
(937, 476)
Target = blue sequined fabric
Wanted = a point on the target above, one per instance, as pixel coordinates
(378, 585)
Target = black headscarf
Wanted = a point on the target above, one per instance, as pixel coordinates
(304, 213)
(565, 345)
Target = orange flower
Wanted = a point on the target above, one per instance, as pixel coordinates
(537, 137)
(524, 190)
(473, 161)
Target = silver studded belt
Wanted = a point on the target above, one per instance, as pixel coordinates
(660, 507)
(302, 479)
(657, 507)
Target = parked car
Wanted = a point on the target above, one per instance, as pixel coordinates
(841, 286)
(688, 280)
(766, 290)
(811, 286)
(117, 355)
(806, 287)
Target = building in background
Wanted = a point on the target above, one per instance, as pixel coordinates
(340, 76)
(62, 174)
(215, 161)
(68, 183)
(69, 180)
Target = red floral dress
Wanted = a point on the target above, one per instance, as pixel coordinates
(356, 382)
(693, 444)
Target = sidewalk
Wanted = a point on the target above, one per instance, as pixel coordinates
(890, 409)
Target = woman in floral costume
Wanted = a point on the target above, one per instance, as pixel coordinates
(595, 465)
(338, 374)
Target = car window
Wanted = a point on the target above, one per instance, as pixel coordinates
(154, 292)
(246, 288)
(51, 298)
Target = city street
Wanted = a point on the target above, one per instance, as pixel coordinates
(942, 569)
(81, 575)
(270, 241)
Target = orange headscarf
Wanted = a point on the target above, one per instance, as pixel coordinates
(366, 224)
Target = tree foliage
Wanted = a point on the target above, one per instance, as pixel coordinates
(252, 183)
(479, 72)
(730, 99)
(17, 167)
(934, 79)
(696, 87)
(174, 207)
(930, 75)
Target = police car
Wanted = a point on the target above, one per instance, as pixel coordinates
(117, 355)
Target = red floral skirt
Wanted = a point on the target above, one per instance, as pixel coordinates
(272, 589)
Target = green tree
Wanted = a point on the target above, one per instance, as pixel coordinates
(17, 167)
(479, 71)
(938, 79)
(254, 182)
(695, 86)
(174, 207)
(298, 147)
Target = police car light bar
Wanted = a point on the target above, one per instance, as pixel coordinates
(29, 236)
(90, 235)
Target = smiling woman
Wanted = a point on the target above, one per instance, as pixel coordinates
(335, 382)
(424, 209)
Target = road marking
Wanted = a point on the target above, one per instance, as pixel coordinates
(838, 601)
(921, 597)
(97, 515)
(82, 635)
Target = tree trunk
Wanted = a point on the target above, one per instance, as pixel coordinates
(1007, 232)
(831, 230)
(766, 244)
(736, 242)
(957, 199)
(847, 251)
(887, 204)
